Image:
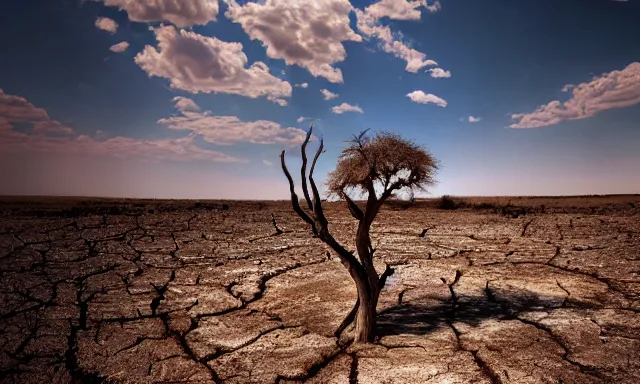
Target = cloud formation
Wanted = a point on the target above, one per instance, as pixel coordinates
(369, 26)
(196, 63)
(400, 9)
(16, 109)
(328, 95)
(280, 102)
(616, 89)
(422, 98)
(345, 107)
(50, 136)
(308, 34)
(106, 24)
(183, 13)
(228, 130)
(303, 85)
(184, 104)
(439, 73)
(120, 47)
(473, 119)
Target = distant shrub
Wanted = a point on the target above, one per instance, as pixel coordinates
(447, 203)
(513, 211)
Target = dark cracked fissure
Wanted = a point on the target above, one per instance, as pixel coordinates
(451, 318)
(509, 315)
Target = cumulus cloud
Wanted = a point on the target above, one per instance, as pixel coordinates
(435, 7)
(185, 104)
(309, 34)
(400, 9)
(428, 63)
(301, 119)
(183, 13)
(473, 119)
(16, 109)
(120, 47)
(428, 98)
(616, 89)
(280, 102)
(50, 136)
(344, 107)
(196, 63)
(303, 85)
(228, 130)
(439, 73)
(369, 26)
(328, 95)
(106, 24)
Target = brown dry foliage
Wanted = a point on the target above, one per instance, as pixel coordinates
(386, 160)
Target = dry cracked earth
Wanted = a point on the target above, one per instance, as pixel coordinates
(160, 292)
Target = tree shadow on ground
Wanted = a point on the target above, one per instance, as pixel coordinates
(425, 315)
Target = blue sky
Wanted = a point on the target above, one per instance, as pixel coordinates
(196, 100)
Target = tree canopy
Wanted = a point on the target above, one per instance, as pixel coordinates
(382, 164)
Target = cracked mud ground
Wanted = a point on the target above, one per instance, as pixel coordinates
(152, 292)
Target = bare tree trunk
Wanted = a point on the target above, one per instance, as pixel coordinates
(368, 295)
(365, 252)
(366, 316)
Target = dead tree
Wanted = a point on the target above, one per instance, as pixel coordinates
(376, 168)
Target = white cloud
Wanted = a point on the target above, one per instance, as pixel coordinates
(106, 24)
(280, 102)
(16, 109)
(120, 47)
(301, 119)
(196, 63)
(400, 9)
(227, 130)
(344, 107)
(439, 73)
(183, 13)
(616, 89)
(435, 7)
(328, 95)
(422, 98)
(428, 63)
(368, 25)
(267, 163)
(308, 34)
(473, 119)
(568, 87)
(50, 136)
(180, 149)
(303, 85)
(185, 104)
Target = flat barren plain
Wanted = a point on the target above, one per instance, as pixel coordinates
(499, 290)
